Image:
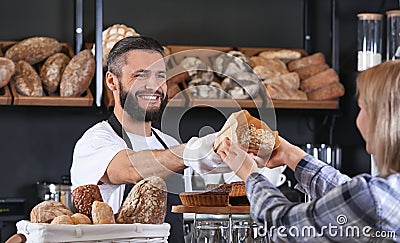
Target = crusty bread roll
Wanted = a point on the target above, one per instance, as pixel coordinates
(46, 211)
(27, 80)
(329, 92)
(288, 80)
(7, 69)
(84, 196)
(79, 218)
(251, 133)
(311, 70)
(33, 50)
(102, 213)
(281, 54)
(277, 92)
(146, 203)
(319, 80)
(78, 74)
(52, 70)
(275, 66)
(62, 219)
(316, 58)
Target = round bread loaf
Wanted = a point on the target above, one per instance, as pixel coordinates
(146, 203)
(27, 80)
(46, 211)
(84, 196)
(62, 219)
(7, 69)
(78, 74)
(33, 50)
(79, 218)
(230, 63)
(102, 213)
(242, 85)
(52, 70)
(112, 35)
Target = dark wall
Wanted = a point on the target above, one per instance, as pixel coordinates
(37, 142)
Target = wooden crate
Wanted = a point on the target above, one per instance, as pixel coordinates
(85, 100)
(5, 96)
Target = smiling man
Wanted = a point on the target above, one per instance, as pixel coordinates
(126, 148)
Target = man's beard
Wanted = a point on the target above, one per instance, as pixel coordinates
(130, 104)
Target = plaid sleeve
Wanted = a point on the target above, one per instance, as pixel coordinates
(311, 222)
(316, 177)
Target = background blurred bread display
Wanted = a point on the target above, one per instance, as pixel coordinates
(318, 80)
(300, 76)
(40, 64)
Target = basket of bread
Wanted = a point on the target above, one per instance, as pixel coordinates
(140, 218)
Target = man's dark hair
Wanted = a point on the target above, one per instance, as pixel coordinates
(117, 56)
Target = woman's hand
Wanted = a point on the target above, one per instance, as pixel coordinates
(237, 159)
(286, 154)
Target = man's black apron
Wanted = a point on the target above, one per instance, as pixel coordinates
(174, 219)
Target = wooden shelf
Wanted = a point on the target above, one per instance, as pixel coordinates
(304, 104)
(211, 210)
(5, 98)
(85, 100)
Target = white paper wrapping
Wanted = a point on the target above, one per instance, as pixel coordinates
(42, 233)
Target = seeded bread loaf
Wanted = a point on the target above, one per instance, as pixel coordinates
(52, 70)
(84, 196)
(78, 74)
(27, 80)
(7, 69)
(33, 50)
(146, 203)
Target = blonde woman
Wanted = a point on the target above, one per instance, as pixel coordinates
(343, 209)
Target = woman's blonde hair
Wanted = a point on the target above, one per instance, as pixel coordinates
(379, 90)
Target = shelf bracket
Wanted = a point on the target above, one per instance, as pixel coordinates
(99, 51)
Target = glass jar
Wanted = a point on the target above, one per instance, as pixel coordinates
(212, 228)
(393, 35)
(369, 41)
(244, 230)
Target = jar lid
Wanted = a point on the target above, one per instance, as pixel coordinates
(392, 13)
(369, 16)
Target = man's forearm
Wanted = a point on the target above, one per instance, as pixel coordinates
(160, 163)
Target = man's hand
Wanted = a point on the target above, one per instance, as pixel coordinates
(199, 154)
